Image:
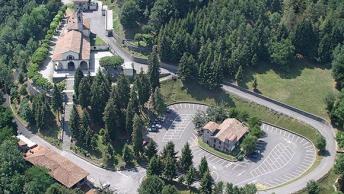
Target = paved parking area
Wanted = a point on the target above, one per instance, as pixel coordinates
(284, 156)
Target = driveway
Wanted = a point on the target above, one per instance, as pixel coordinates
(284, 155)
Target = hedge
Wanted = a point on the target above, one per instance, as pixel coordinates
(42, 53)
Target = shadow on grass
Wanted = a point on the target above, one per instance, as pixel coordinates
(200, 93)
(291, 71)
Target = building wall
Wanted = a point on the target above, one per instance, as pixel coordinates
(226, 146)
(74, 54)
(63, 65)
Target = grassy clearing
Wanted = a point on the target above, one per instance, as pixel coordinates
(215, 152)
(176, 91)
(302, 84)
(326, 184)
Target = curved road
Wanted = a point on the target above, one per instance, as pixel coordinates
(325, 129)
(125, 183)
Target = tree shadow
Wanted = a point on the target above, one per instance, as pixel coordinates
(200, 93)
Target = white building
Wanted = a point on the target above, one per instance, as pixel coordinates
(109, 22)
(225, 136)
(128, 69)
(73, 48)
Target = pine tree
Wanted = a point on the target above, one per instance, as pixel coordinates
(207, 183)
(170, 170)
(159, 103)
(190, 176)
(99, 96)
(123, 92)
(168, 151)
(77, 79)
(203, 167)
(111, 119)
(132, 109)
(186, 67)
(127, 155)
(86, 132)
(143, 88)
(185, 161)
(84, 92)
(151, 150)
(74, 122)
(154, 69)
(108, 156)
(154, 167)
(56, 100)
(137, 135)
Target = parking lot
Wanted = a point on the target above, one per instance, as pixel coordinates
(283, 157)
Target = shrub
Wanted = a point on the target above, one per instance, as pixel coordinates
(111, 61)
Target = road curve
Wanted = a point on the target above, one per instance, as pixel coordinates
(325, 129)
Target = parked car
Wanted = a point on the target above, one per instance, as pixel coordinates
(152, 129)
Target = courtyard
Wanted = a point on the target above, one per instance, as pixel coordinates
(283, 157)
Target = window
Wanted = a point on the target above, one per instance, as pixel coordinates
(70, 57)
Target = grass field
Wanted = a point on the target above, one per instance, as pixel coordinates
(326, 184)
(176, 91)
(302, 84)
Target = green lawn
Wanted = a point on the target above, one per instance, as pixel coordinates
(326, 184)
(302, 84)
(176, 91)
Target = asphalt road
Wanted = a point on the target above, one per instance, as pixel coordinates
(326, 130)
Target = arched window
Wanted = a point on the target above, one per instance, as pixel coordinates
(70, 57)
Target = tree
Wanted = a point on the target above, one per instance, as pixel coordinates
(339, 165)
(111, 119)
(218, 189)
(185, 161)
(161, 13)
(143, 88)
(151, 185)
(130, 13)
(169, 189)
(154, 69)
(281, 52)
(168, 151)
(56, 100)
(239, 75)
(320, 143)
(77, 79)
(249, 189)
(84, 92)
(170, 170)
(313, 187)
(99, 96)
(58, 189)
(74, 122)
(136, 136)
(111, 61)
(127, 155)
(151, 150)
(207, 183)
(132, 109)
(108, 156)
(38, 180)
(203, 167)
(122, 92)
(248, 145)
(154, 167)
(159, 103)
(190, 176)
(186, 67)
(254, 83)
(305, 39)
(338, 66)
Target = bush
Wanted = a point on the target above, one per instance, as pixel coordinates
(320, 143)
(313, 187)
(39, 55)
(111, 61)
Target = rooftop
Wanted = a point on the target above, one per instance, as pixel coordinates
(25, 141)
(60, 168)
(232, 130)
